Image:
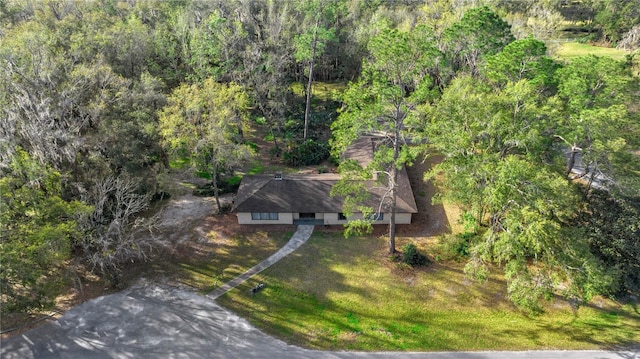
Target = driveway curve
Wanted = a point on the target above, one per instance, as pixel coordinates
(151, 321)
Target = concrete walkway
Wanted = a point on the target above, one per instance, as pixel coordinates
(301, 235)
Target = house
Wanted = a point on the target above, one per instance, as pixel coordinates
(305, 198)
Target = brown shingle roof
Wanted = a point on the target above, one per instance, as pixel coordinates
(293, 193)
(311, 193)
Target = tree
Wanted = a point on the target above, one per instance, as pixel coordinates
(631, 40)
(614, 18)
(115, 231)
(384, 101)
(540, 19)
(201, 123)
(63, 105)
(594, 121)
(311, 44)
(612, 228)
(497, 169)
(37, 231)
(478, 34)
(519, 60)
(267, 60)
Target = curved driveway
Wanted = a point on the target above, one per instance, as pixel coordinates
(151, 321)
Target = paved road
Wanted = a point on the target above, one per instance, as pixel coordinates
(151, 321)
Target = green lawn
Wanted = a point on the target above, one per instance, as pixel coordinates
(570, 50)
(336, 293)
(207, 266)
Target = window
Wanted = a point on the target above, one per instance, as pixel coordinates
(264, 216)
(375, 217)
(342, 217)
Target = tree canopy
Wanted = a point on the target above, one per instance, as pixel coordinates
(100, 99)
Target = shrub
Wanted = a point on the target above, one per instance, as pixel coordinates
(309, 152)
(412, 256)
(275, 151)
(454, 247)
(225, 185)
(252, 145)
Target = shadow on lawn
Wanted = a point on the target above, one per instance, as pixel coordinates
(312, 285)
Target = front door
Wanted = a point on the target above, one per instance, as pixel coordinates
(307, 216)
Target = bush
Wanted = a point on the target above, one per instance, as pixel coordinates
(275, 151)
(412, 256)
(611, 227)
(454, 247)
(226, 185)
(308, 153)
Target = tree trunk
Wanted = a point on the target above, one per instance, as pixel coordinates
(392, 220)
(307, 108)
(394, 185)
(591, 178)
(240, 131)
(572, 160)
(214, 182)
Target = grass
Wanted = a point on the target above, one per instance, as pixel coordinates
(570, 50)
(258, 168)
(225, 258)
(337, 293)
(179, 163)
(323, 91)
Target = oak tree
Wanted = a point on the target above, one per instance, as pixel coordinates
(201, 122)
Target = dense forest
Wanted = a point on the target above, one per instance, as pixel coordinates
(99, 99)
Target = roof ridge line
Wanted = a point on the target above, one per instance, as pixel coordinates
(236, 204)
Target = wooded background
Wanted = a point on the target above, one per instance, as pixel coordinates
(98, 99)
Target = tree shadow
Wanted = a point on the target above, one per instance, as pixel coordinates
(431, 219)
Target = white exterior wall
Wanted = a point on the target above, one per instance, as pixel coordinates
(283, 218)
(332, 218)
(401, 218)
(329, 218)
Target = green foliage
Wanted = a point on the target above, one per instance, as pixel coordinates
(612, 228)
(205, 120)
(594, 120)
(479, 33)
(225, 185)
(38, 229)
(526, 291)
(591, 82)
(310, 152)
(455, 246)
(412, 256)
(614, 18)
(496, 168)
(384, 100)
(522, 59)
(83, 93)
